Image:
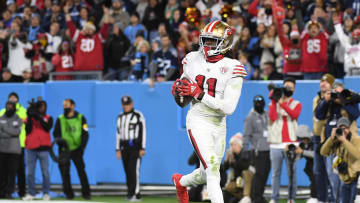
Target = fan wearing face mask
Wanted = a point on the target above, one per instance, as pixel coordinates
(256, 133)
(10, 150)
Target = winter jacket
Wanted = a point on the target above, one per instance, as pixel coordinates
(255, 131)
(114, 50)
(10, 128)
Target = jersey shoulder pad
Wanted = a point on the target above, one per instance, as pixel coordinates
(238, 69)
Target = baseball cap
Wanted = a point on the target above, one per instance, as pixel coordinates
(126, 100)
(343, 121)
(328, 78)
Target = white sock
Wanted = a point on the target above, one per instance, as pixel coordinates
(197, 177)
(214, 189)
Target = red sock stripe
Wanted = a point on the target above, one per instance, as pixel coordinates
(193, 142)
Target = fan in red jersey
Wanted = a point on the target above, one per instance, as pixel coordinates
(89, 43)
(64, 61)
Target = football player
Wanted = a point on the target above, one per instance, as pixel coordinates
(214, 82)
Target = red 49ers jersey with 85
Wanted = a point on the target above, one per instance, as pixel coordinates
(214, 79)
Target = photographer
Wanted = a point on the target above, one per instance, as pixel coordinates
(283, 113)
(345, 146)
(38, 144)
(307, 151)
(241, 172)
(333, 106)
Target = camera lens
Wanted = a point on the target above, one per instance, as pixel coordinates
(339, 131)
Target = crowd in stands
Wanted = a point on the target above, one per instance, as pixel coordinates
(145, 40)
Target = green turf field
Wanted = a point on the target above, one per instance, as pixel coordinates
(120, 199)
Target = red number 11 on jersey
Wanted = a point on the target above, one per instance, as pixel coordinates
(211, 82)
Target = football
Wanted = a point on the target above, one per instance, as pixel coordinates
(182, 101)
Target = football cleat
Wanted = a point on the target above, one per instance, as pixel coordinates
(181, 191)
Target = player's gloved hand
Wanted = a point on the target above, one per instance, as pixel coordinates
(190, 89)
(173, 87)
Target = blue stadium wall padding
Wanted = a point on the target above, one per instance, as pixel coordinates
(168, 147)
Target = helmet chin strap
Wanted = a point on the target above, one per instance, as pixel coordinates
(211, 58)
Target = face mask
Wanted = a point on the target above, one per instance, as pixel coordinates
(295, 41)
(268, 11)
(288, 92)
(67, 111)
(9, 112)
(259, 107)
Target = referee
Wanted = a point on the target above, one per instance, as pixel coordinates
(130, 145)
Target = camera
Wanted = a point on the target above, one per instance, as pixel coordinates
(291, 154)
(339, 132)
(278, 92)
(33, 108)
(342, 167)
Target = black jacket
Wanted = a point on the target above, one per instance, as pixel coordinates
(114, 50)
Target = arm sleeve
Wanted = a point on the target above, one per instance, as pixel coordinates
(253, 8)
(344, 40)
(326, 147)
(142, 132)
(273, 111)
(247, 133)
(308, 153)
(72, 28)
(353, 149)
(13, 128)
(118, 134)
(57, 129)
(321, 110)
(47, 125)
(84, 133)
(104, 31)
(293, 113)
(231, 97)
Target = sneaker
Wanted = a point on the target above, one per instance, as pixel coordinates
(312, 200)
(28, 197)
(181, 191)
(134, 199)
(46, 197)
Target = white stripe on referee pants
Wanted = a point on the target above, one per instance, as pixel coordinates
(137, 189)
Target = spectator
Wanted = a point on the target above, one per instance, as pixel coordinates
(84, 17)
(252, 73)
(38, 62)
(307, 150)
(183, 43)
(55, 16)
(264, 13)
(34, 28)
(64, 61)
(6, 76)
(38, 145)
(270, 73)
(27, 76)
(140, 64)
(255, 133)
(283, 114)
(345, 146)
(254, 45)
(170, 8)
(53, 39)
(74, 9)
(134, 27)
(164, 64)
(76, 140)
(290, 45)
(26, 19)
(314, 51)
(176, 20)
(18, 46)
(46, 11)
(130, 145)
(6, 18)
(89, 44)
(242, 44)
(267, 44)
(152, 17)
(114, 51)
(213, 7)
(351, 45)
(10, 150)
(118, 14)
(241, 172)
(320, 163)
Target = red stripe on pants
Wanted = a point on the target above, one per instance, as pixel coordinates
(193, 142)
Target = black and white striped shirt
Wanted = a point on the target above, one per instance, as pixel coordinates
(131, 128)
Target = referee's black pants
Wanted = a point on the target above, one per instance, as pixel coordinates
(262, 167)
(131, 162)
(77, 158)
(8, 167)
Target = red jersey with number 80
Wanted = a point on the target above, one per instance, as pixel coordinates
(211, 77)
(314, 53)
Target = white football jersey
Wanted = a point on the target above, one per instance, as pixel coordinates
(214, 79)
